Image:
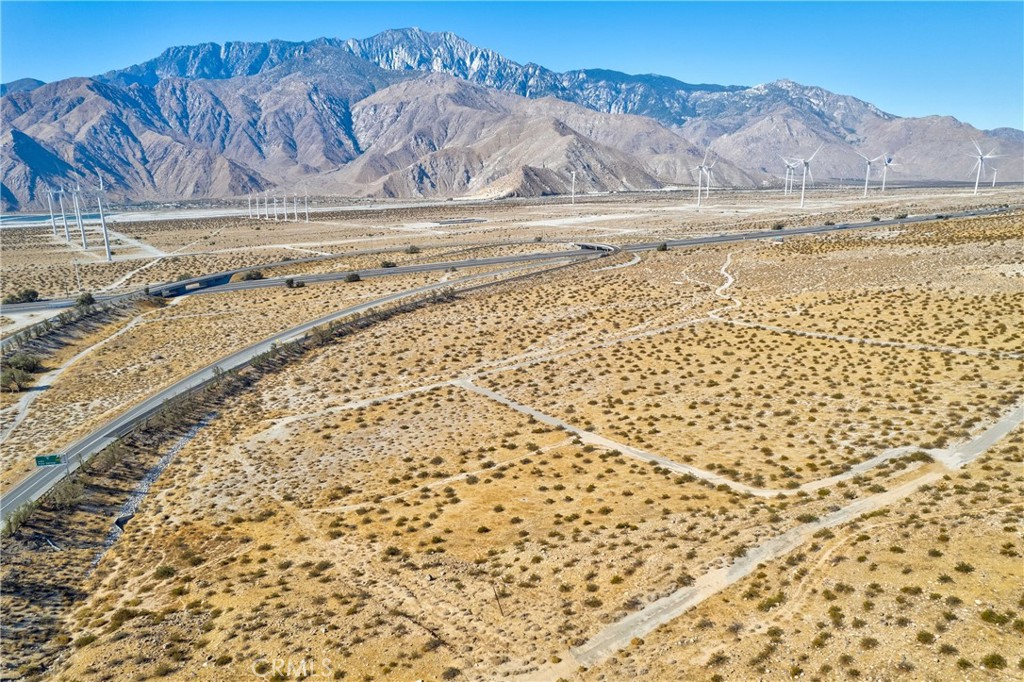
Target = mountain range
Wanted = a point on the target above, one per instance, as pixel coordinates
(407, 113)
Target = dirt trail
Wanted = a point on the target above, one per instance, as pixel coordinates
(618, 635)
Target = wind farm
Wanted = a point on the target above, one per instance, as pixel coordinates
(393, 359)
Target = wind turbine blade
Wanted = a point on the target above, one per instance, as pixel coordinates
(706, 152)
(977, 147)
(816, 151)
(860, 155)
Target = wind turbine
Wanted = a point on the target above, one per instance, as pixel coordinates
(807, 171)
(791, 166)
(78, 215)
(307, 204)
(994, 171)
(980, 163)
(707, 185)
(250, 205)
(49, 204)
(295, 207)
(574, 188)
(63, 216)
(867, 173)
(103, 222)
(887, 161)
(701, 169)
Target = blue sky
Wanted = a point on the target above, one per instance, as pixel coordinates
(964, 59)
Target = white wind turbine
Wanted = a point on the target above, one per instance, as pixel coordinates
(63, 216)
(103, 222)
(979, 164)
(867, 173)
(78, 214)
(708, 174)
(791, 166)
(807, 171)
(994, 171)
(702, 169)
(887, 164)
(49, 204)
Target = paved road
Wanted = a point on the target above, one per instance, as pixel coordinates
(41, 480)
(816, 229)
(33, 487)
(51, 304)
(648, 246)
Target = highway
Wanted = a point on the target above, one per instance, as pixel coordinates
(816, 229)
(53, 304)
(61, 303)
(36, 484)
(41, 480)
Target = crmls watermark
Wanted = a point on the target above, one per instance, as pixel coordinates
(292, 668)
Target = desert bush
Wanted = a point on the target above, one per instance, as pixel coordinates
(994, 662)
(14, 380)
(26, 362)
(23, 296)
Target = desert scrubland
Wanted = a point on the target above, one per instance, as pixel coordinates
(737, 461)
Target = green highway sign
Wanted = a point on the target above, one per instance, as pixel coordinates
(47, 460)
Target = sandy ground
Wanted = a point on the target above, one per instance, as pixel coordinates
(441, 496)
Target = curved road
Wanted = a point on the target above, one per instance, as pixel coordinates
(36, 484)
(41, 480)
(381, 272)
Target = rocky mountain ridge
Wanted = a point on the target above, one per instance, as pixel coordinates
(409, 113)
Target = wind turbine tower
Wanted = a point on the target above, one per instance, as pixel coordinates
(295, 207)
(707, 185)
(63, 216)
(103, 222)
(787, 185)
(979, 164)
(994, 171)
(867, 173)
(49, 204)
(307, 205)
(701, 169)
(78, 215)
(807, 171)
(887, 163)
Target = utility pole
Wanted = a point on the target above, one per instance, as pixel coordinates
(574, 188)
